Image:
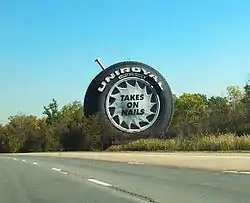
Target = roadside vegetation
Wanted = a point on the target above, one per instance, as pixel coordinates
(200, 123)
(227, 142)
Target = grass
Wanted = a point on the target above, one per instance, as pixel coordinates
(228, 142)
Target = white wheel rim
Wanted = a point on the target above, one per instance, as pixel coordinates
(132, 105)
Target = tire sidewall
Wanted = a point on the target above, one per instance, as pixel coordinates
(153, 77)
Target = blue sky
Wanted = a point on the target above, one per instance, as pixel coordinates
(47, 48)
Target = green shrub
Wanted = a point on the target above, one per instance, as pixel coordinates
(243, 129)
(226, 142)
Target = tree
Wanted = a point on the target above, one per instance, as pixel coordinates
(246, 101)
(72, 117)
(24, 133)
(219, 110)
(237, 110)
(100, 132)
(234, 95)
(52, 112)
(4, 141)
(244, 128)
(190, 110)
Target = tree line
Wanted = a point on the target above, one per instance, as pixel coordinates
(67, 128)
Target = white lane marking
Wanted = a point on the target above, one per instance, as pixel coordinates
(238, 172)
(245, 172)
(24, 161)
(65, 173)
(99, 182)
(140, 200)
(135, 163)
(230, 171)
(35, 163)
(7, 157)
(15, 159)
(57, 169)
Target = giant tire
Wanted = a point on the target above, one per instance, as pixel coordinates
(130, 77)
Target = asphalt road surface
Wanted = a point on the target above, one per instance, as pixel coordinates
(29, 179)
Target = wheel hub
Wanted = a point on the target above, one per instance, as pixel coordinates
(132, 105)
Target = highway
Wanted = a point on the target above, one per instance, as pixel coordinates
(37, 179)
